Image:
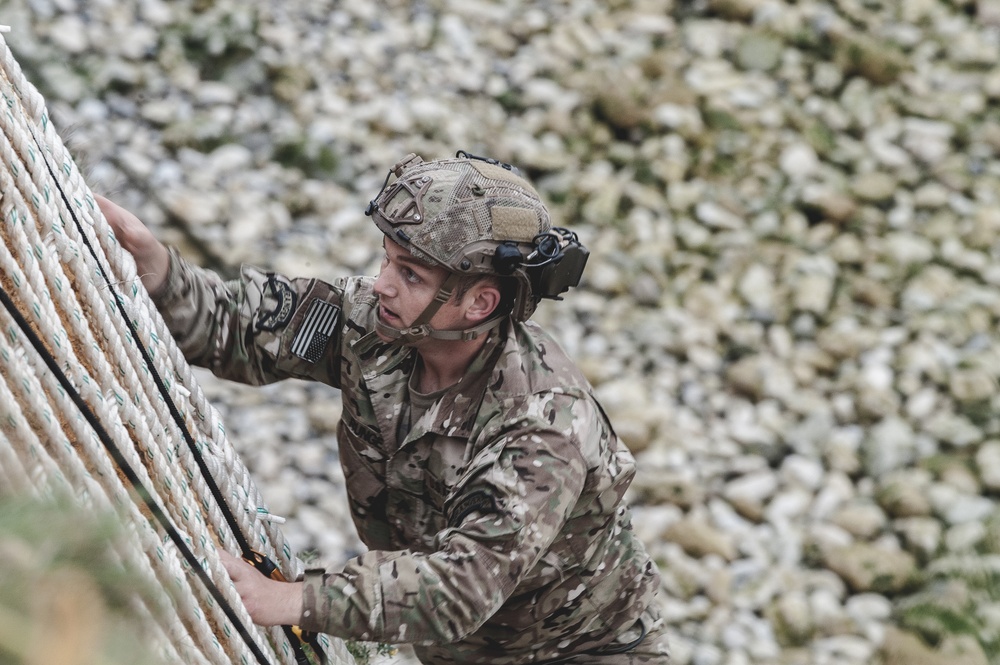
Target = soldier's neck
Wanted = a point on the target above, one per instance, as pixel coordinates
(444, 363)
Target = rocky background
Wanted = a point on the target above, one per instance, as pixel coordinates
(791, 305)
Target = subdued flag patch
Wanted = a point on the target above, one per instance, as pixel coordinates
(316, 330)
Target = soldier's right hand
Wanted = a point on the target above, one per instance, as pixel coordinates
(152, 260)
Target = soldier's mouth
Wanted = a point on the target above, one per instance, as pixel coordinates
(387, 314)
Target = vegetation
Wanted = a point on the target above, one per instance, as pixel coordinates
(64, 599)
(364, 652)
(961, 598)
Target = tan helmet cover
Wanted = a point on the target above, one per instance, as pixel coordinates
(456, 212)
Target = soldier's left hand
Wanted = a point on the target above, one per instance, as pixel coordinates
(269, 602)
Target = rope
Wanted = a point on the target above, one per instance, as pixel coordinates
(30, 396)
(97, 401)
(134, 480)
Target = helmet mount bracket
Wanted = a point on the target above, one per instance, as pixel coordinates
(507, 258)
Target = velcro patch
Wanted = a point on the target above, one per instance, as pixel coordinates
(316, 330)
(518, 224)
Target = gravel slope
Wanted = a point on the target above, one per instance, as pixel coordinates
(791, 304)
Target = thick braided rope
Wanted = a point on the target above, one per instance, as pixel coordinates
(40, 300)
(121, 387)
(25, 469)
(228, 470)
(97, 355)
(32, 289)
(230, 473)
(21, 394)
(39, 297)
(233, 476)
(100, 391)
(239, 494)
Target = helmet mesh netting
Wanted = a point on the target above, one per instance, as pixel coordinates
(458, 208)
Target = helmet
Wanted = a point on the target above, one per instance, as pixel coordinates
(477, 216)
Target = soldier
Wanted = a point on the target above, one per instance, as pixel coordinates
(482, 474)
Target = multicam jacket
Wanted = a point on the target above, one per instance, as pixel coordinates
(496, 527)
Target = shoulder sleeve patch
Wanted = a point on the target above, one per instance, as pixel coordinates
(477, 502)
(317, 328)
(283, 299)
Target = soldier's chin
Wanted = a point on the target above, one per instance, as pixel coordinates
(390, 324)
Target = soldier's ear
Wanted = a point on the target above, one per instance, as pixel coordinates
(481, 300)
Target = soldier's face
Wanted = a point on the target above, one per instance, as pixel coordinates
(405, 287)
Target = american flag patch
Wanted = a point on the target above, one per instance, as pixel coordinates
(316, 330)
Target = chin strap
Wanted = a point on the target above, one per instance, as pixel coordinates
(420, 328)
(416, 333)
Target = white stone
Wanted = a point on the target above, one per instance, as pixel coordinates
(921, 535)
(863, 519)
(922, 404)
(963, 538)
(827, 536)
(788, 505)
(826, 609)
(686, 119)
(757, 287)
(844, 649)
(69, 32)
(953, 429)
(837, 489)
(231, 157)
(909, 248)
(958, 508)
(807, 472)
(798, 161)
(814, 283)
(866, 607)
(928, 140)
(755, 487)
(988, 463)
(707, 654)
(890, 445)
(716, 216)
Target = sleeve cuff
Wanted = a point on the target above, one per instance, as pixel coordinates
(172, 284)
(312, 588)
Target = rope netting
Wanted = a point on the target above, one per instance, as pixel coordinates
(80, 338)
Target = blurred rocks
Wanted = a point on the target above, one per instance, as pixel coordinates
(868, 568)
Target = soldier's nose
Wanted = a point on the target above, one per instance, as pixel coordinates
(381, 286)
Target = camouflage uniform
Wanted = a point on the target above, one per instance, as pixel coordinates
(496, 527)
